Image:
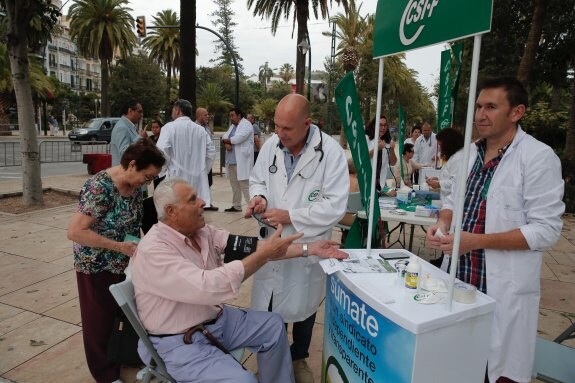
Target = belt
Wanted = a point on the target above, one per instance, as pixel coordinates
(206, 323)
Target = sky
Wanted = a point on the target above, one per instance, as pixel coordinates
(256, 44)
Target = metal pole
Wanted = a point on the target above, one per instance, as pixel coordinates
(309, 72)
(462, 175)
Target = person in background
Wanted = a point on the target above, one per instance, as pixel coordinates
(257, 136)
(203, 118)
(425, 149)
(513, 207)
(450, 143)
(409, 165)
(53, 125)
(109, 208)
(189, 150)
(239, 143)
(386, 147)
(184, 271)
(125, 132)
(415, 133)
(300, 181)
(156, 129)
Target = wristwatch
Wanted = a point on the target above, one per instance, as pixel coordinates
(304, 248)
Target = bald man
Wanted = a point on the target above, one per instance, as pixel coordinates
(300, 181)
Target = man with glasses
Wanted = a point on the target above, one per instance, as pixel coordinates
(300, 181)
(126, 131)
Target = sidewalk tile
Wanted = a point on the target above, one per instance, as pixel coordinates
(17, 229)
(12, 318)
(32, 339)
(552, 323)
(547, 273)
(17, 272)
(63, 363)
(67, 312)
(565, 273)
(45, 245)
(43, 296)
(558, 296)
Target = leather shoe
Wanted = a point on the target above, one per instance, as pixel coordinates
(212, 208)
(302, 371)
(232, 210)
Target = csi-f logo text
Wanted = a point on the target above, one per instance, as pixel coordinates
(416, 11)
(313, 195)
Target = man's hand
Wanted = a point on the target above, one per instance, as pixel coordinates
(326, 249)
(434, 233)
(275, 217)
(257, 205)
(275, 247)
(127, 248)
(433, 182)
(144, 132)
(228, 147)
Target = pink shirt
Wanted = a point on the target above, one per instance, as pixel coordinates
(176, 286)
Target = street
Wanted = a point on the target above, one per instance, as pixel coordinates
(50, 169)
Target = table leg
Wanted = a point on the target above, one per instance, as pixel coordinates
(411, 238)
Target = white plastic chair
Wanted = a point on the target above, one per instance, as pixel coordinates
(123, 293)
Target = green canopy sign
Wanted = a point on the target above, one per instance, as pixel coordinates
(403, 25)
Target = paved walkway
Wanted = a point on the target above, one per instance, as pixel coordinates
(40, 327)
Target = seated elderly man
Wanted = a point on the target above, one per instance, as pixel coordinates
(181, 281)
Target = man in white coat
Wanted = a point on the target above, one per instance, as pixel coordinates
(425, 147)
(301, 181)
(513, 209)
(189, 150)
(239, 143)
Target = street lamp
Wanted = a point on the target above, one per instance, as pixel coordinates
(305, 47)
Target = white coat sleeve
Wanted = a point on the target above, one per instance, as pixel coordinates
(543, 190)
(165, 144)
(318, 217)
(260, 172)
(243, 132)
(210, 152)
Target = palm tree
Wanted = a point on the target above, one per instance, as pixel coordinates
(101, 28)
(286, 72)
(351, 32)
(264, 75)
(278, 9)
(164, 45)
(266, 109)
(212, 97)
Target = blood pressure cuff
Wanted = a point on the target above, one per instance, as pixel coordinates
(239, 247)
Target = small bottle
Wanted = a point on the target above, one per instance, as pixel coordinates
(412, 272)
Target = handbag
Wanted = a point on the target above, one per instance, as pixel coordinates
(123, 343)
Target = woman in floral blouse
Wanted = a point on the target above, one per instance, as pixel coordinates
(109, 208)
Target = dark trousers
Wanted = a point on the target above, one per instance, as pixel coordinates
(210, 178)
(301, 335)
(98, 310)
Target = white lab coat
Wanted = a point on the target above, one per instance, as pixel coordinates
(189, 153)
(243, 141)
(316, 198)
(526, 192)
(425, 150)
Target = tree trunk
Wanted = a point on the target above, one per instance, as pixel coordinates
(105, 72)
(168, 89)
(570, 140)
(19, 64)
(524, 71)
(188, 51)
(302, 9)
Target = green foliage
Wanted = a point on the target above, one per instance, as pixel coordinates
(137, 77)
(212, 98)
(223, 21)
(286, 72)
(278, 90)
(265, 109)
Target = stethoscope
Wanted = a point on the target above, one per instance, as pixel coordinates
(318, 148)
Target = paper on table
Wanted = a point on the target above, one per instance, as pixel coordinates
(356, 264)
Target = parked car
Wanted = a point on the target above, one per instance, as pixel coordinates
(97, 129)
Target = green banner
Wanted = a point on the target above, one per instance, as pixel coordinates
(403, 25)
(444, 100)
(347, 102)
(458, 57)
(401, 139)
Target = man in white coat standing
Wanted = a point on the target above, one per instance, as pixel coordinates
(513, 208)
(239, 143)
(189, 150)
(301, 181)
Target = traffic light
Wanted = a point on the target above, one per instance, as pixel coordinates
(141, 26)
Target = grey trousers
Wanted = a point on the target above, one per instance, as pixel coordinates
(238, 187)
(259, 331)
